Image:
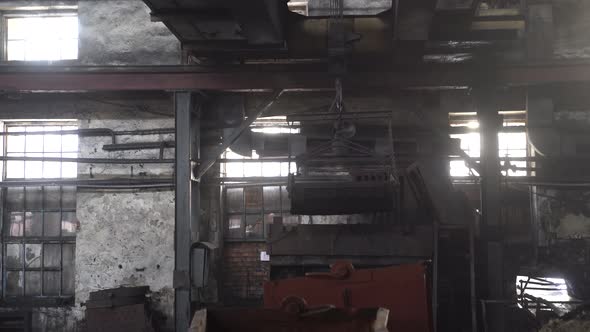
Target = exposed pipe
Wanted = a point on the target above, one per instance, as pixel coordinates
(87, 182)
(90, 160)
(94, 132)
(160, 186)
(138, 146)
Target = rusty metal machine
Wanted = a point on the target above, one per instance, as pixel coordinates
(402, 289)
(294, 315)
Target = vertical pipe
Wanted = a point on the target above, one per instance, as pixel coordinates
(472, 277)
(183, 213)
(490, 124)
(197, 228)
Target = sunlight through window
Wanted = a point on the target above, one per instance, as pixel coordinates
(36, 38)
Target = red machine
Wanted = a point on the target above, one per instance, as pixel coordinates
(401, 289)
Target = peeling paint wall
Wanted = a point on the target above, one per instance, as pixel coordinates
(120, 32)
(126, 238)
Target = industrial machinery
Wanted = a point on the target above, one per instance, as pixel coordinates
(293, 316)
(402, 289)
(342, 177)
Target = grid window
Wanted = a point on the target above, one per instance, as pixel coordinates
(250, 168)
(37, 142)
(470, 143)
(39, 221)
(267, 168)
(32, 38)
(250, 209)
(509, 144)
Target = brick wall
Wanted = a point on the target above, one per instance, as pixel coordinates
(243, 273)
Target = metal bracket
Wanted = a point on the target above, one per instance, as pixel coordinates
(229, 140)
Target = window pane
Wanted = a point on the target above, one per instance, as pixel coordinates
(252, 169)
(286, 200)
(41, 49)
(14, 224)
(69, 224)
(69, 142)
(234, 170)
(51, 169)
(33, 283)
(52, 143)
(52, 223)
(34, 201)
(51, 283)
(272, 199)
(254, 227)
(51, 255)
(32, 255)
(33, 223)
(271, 169)
(69, 49)
(14, 283)
(253, 199)
(15, 199)
(34, 143)
(235, 200)
(52, 198)
(46, 38)
(235, 227)
(68, 198)
(68, 252)
(15, 50)
(16, 28)
(69, 169)
(14, 255)
(34, 169)
(15, 143)
(15, 169)
(458, 168)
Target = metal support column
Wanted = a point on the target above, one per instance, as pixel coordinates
(490, 123)
(186, 207)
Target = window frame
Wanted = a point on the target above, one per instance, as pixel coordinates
(470, 119)
(22, 240)
(282, 211)
(8, 14)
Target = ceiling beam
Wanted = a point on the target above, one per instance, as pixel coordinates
(288, 77)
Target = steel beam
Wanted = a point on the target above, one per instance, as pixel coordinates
(230, 139)
(289, 77)
(491, 204)
(184, 209)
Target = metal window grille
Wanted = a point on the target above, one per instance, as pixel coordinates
(39, 222)
(511, 145)
(250, 209)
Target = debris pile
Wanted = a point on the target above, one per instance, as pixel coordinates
(578, 321)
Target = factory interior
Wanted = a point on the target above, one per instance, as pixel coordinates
(295, 165)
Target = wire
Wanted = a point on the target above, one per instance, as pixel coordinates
(141, 108)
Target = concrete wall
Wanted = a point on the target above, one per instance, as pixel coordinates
(126, 238)
(565, 214)
(571, 23)
(119, 32)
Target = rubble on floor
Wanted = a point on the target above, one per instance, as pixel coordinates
(578, 321)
